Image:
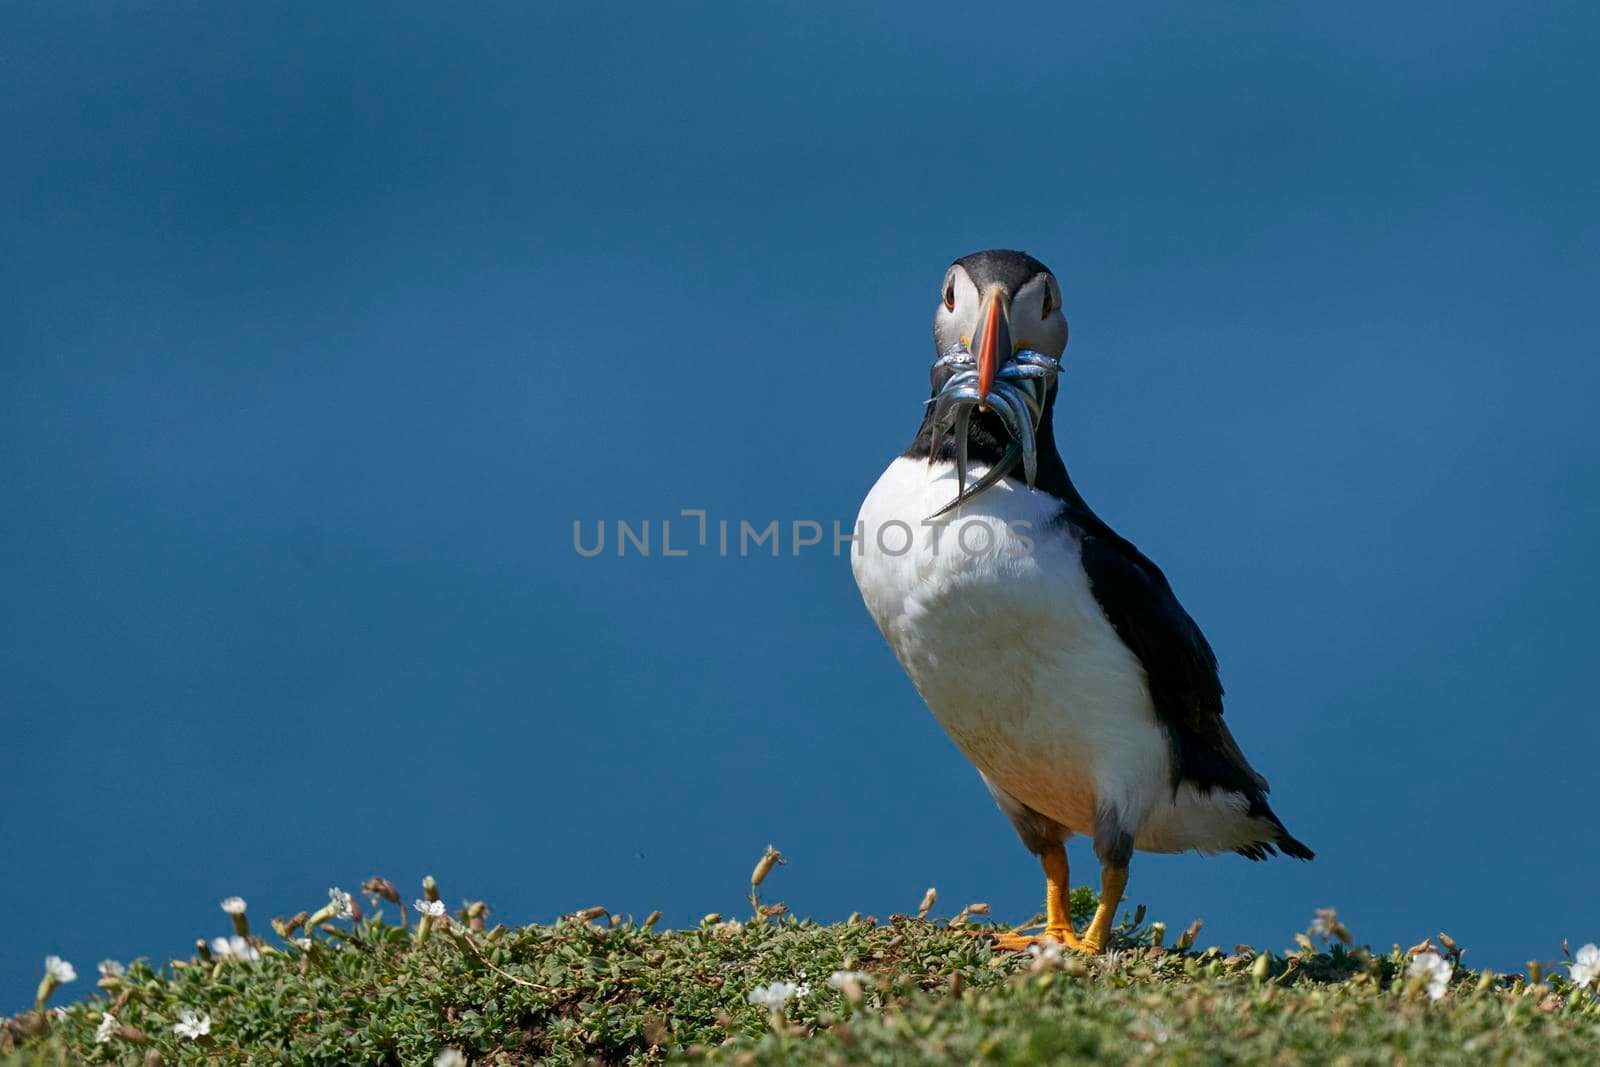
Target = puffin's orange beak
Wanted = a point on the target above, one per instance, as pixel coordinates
(994, 339)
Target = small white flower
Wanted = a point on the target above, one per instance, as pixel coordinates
(191, 1025)
(60, 970)
(434, 909)
(850, 983)
(1153, 1030)
(1432, 968)
(235, 946)
(1586, 967)
(111, 969)
(234, 905)
(107, 1028)
(450, 1057)
(839, 979)
(343, 907)
(1049, 950)
(303, 942)
(58, 1013)
(775, 996)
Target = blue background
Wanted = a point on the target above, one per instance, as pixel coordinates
(323, 326)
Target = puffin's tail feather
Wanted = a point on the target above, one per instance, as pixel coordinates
(1293, 846)
(1287, 844)
(1284, 841)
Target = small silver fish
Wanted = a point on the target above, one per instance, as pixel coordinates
(1017, 397)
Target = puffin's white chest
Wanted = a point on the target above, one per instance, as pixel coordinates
(991, 615)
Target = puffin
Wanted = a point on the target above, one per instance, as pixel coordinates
(1053, 652)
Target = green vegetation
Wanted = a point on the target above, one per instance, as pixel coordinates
(597, 988)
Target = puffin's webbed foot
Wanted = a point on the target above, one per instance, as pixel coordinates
(1057, 910)
(1058, 915)
(1113, 880)
(1065, 936)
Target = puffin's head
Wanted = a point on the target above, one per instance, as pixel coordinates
(999, 333)
(996, 304)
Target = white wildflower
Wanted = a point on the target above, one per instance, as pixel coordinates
(1586, 966)
(1154, 1032)
(775, 996)
(303, 942)
(433, 909)
(450, 1057)
(58, 1013)
(340, 904)
(1048, 949)
(850, 983)
(59, 969)
(234, 905)
(191, 1025)
(838, 979)
(1431, 968)
(234, 946)
(111, 969)
(107, 1028)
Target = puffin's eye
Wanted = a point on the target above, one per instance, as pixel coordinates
(950, 296)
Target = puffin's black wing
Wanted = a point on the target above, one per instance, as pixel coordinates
(1180, 669)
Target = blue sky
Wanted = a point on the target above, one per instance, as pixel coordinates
(326, 325)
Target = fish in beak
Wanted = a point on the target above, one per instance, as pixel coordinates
(1012, 384)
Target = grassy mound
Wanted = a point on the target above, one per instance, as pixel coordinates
(591, 988)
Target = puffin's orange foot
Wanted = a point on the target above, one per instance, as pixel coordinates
(1064, 936)
(1097, 935)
